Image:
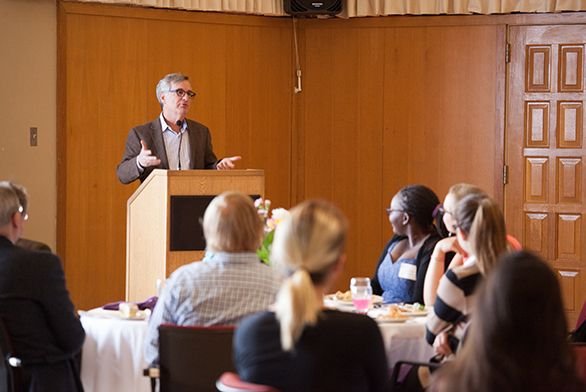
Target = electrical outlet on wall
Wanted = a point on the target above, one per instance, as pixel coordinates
(34, 137)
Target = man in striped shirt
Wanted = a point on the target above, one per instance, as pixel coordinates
(228, 284)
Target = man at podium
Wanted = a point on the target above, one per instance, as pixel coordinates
(171, 141)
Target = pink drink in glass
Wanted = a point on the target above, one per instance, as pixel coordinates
(361, 293)
(361, 304)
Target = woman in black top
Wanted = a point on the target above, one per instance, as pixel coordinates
(301, 346)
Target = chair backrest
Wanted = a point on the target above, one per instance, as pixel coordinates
(193, 358)
(580, 353)
(412, 375)
(11, 378)
(231, 382)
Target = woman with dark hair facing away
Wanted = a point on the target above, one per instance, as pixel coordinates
(481, 234)
(518, 339)
(301, 346)
(401, 269)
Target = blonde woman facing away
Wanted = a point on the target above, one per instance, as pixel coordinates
(447, 252)
(481, 234)
(300, 346)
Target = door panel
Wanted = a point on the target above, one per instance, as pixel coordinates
(544, 200)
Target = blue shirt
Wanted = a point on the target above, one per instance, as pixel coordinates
(395, 289)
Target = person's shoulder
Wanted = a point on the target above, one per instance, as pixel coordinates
(147, 127)
(192, 124)
(33, 245)
(255, 322)
(463, 271)
(187, 271)
(36, 260)
(259, 317)
(464, 277)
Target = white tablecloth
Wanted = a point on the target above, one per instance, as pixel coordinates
(112, 357)
(406, 341)
(113, 360)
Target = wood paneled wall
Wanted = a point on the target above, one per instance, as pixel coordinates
(385, 102)
(110, 61)
(384, 107)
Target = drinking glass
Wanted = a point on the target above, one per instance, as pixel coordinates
(361, 293)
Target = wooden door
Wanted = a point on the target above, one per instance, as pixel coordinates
(544, 200)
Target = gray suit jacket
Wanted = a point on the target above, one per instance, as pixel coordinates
(200, 142)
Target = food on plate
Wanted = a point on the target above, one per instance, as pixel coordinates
(393, 313)
(343, 296)
(415, 308)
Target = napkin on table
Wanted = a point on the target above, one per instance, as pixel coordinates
(149, 303)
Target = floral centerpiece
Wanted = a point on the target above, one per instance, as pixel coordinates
(271, 219)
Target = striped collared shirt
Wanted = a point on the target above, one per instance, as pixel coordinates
(220, 290)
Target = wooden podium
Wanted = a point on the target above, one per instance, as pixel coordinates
(163, 216)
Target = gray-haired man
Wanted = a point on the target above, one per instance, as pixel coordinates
(34, 304)
(171, 141)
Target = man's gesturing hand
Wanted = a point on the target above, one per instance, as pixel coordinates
(146, 157)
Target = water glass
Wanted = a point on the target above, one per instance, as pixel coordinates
(361, 293)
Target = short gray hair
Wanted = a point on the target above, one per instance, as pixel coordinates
(164, 84)
(231, 224)
(12, 198)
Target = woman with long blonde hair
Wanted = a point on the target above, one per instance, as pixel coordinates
(447, 252)
(480, 230)
(301, 346)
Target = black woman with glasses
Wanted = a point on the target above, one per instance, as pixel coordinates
(401, 268)
(171, 141)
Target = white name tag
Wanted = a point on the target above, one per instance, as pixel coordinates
(408, 271)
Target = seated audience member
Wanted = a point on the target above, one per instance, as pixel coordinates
(24, 242)
(447, 252)
(481, 234)
(33, 245)
(301, 346)
(518, 339)
(402, 266)
(35, 306)
(228, 284)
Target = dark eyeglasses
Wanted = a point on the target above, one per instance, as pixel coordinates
(181, 93)
(390, 210)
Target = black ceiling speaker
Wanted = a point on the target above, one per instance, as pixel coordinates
(312, 7)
